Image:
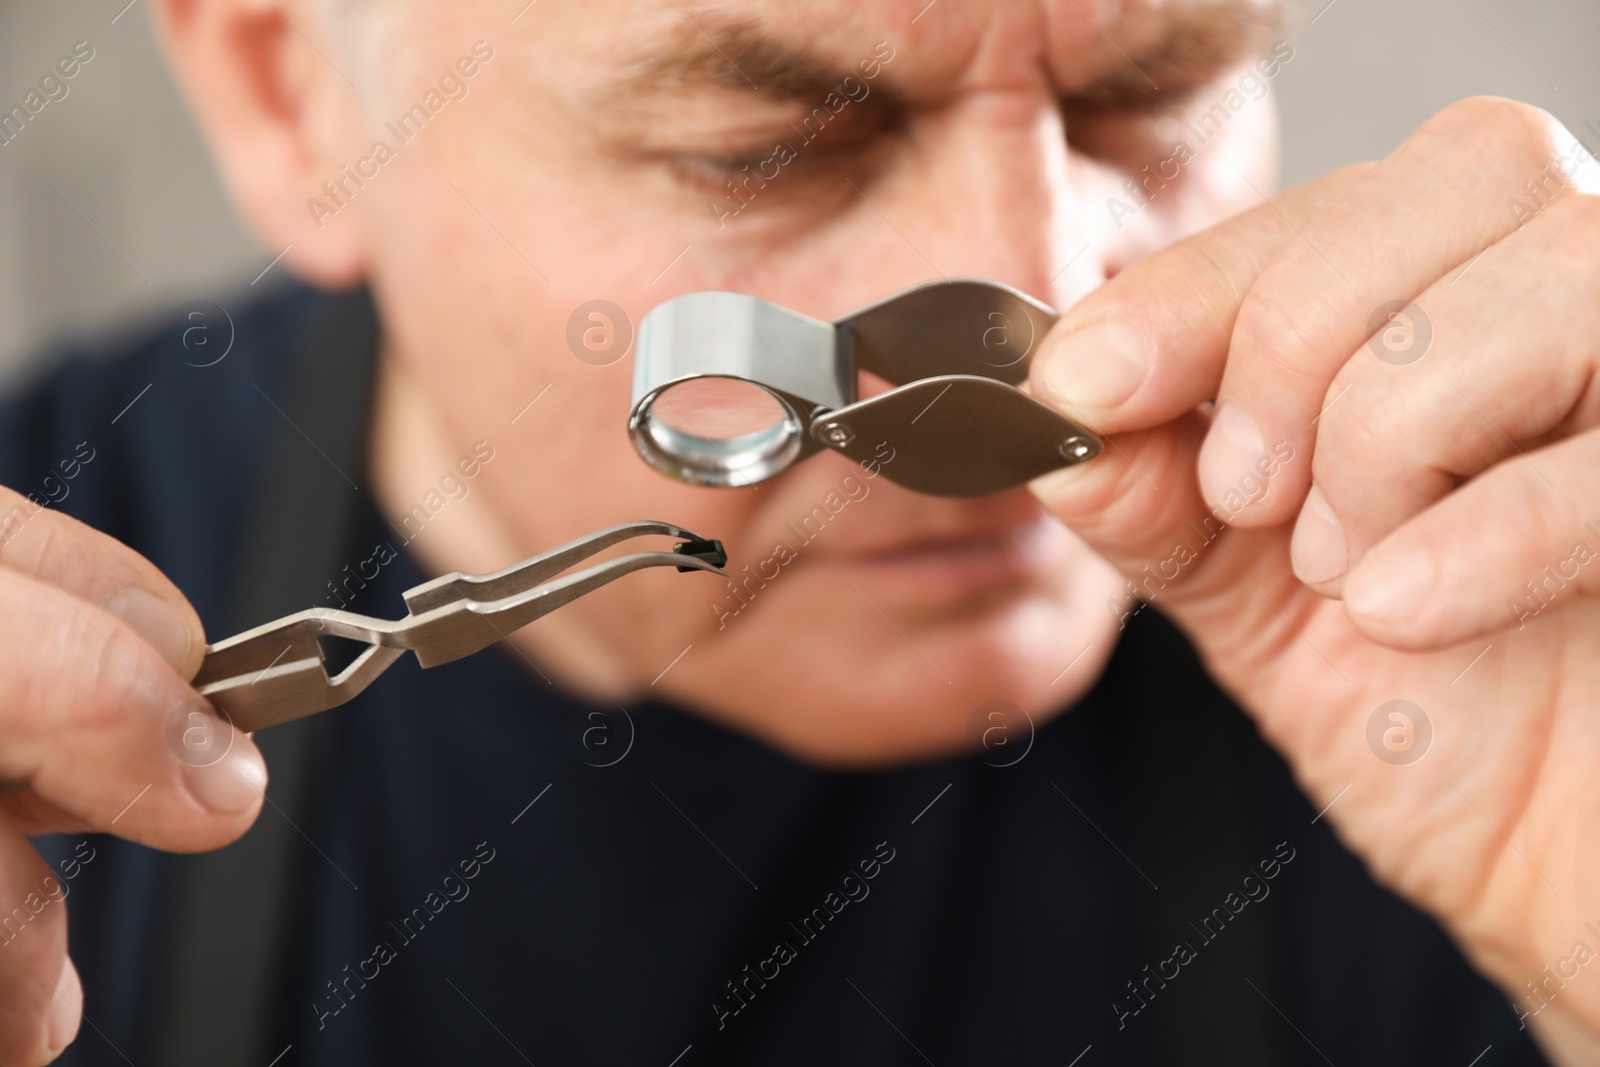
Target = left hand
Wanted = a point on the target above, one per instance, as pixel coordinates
(1423, 485)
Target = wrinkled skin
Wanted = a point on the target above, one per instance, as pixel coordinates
(991, 143)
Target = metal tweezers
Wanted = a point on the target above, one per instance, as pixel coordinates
(276, 673)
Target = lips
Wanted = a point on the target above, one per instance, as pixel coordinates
(1010, 538)
(982, 565)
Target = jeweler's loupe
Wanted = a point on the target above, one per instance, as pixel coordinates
(730, 389)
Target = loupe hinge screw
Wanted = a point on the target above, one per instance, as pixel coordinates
(1078, 448)
(837, 434)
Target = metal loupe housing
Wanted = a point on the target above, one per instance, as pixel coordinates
(956, 421)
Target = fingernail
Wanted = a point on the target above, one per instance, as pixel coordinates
(1317, 549)
(1392, 586)
(1100, 365)
(66, 1008)
(161, 624)
(233, 784)
(1233, 449)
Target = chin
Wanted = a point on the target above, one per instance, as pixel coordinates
(857, 668)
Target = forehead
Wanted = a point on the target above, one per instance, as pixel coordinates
(939, 46)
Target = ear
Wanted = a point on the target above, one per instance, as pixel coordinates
(276, 113)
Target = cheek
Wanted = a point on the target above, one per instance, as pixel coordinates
(1208, 189)
(487, 337)
(1248, 146)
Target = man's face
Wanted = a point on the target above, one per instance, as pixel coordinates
(821, 156)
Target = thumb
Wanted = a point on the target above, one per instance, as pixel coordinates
(1135, 361)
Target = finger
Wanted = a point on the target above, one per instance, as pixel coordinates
(94, 721)
(1311, 308)
(40, 997)
(1125, 503)
(84, 562)
(1498, 553)
(1138, 506)
(1512, 360)
(1149, 344)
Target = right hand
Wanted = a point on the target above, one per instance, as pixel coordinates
(96, 716)
(1406, 487)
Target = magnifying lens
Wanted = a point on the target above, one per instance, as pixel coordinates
(730, 389)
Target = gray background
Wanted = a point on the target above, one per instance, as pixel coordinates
(122, 150)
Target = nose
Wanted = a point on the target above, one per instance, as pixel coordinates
(986, 191)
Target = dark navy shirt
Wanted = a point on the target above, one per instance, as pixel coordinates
(495, 873)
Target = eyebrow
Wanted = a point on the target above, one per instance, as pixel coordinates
(1201, 43)
(736, 55)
